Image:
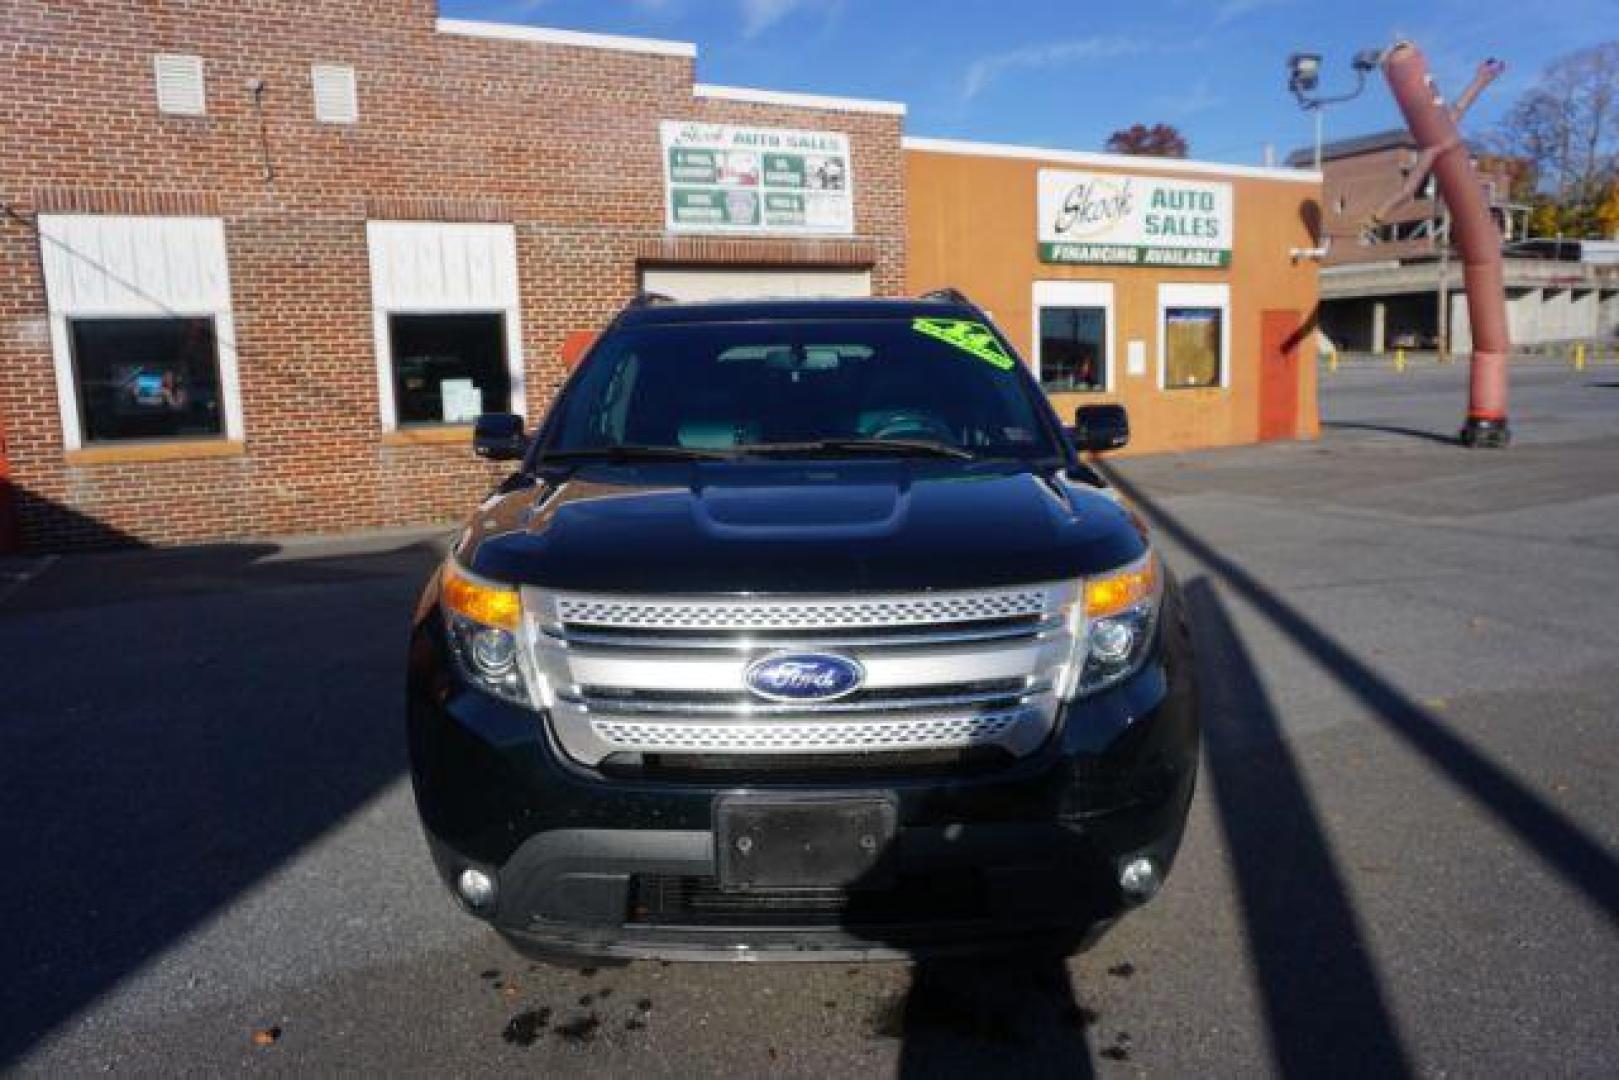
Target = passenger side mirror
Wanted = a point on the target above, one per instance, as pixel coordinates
(1100, 428)
(499, 437)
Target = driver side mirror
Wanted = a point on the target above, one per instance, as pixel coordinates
(499, 437)
(1100, 428)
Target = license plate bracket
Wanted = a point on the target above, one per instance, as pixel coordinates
(818, 842)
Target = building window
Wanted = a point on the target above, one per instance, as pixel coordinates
(1192, 346)
(1194, 336)
(448, 368)
(150, 378)
(142, 335)
(1073, 341)
(1073, 335)
(446, 321)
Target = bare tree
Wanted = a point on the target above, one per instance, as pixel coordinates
(1567, 124)
(1160, 140)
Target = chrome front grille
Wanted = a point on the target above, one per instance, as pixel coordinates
(753, 616)
(986, 630)
(1000, 692)
(942, 671)
(841, 736)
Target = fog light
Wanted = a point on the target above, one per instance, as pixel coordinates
(476, 888)
(1139, 879)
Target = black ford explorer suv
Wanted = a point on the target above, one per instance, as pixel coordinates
(801, 632)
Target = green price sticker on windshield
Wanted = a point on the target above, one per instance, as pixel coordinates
(970, 337)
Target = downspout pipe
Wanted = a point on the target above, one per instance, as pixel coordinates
(1443, 153)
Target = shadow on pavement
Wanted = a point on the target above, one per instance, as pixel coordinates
(169, 574)
(170, 740)
(43, 524)
(989, 1016)
(1559, 843)
(1390, 429)
(1324, 1004)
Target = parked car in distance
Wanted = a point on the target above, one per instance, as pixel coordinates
(1413, 339)
(802, 630)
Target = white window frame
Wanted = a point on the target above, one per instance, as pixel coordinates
(1176, 294)
(124, 267)
(392, 294)
(1067, 294)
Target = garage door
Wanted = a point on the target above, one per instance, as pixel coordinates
(698, 283)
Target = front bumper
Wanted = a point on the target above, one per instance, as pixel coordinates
(623, 866)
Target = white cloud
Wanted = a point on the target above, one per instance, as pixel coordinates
(760, 15)
(516, 9)
(1232, 10)
(1198, 98)
(986, 69)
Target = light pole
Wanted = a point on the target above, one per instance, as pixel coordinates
(1442, 229)
(1304, 78)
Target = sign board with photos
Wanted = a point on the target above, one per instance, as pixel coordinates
(719, 178)
(1115, 219)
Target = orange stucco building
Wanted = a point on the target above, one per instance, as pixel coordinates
(1175, 288)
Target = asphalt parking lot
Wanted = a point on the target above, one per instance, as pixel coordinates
(1403, 857)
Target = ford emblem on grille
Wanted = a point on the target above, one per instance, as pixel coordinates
(804, 677)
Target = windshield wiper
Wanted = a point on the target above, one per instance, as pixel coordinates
(635, 452)
(909, 447)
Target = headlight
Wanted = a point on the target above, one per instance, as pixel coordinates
(1112, 624)
(485, 623)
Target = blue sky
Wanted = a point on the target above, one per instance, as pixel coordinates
(1064, 73)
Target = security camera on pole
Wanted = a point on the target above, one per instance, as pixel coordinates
(1304, 78)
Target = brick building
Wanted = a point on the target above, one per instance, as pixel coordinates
(1358, 173)
(260, 264)
(1398, 284)
(279, 204)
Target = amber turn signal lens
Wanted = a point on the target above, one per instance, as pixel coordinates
(1122, 589)
(491, 605)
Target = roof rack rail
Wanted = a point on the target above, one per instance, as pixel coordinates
(647, 299)
(949, 293)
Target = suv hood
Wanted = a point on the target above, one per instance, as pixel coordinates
(798, 527)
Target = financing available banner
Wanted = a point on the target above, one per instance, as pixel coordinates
(1109, 218)
(719, 178)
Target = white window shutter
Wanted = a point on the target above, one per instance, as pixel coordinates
(336, 99)
(180, 87)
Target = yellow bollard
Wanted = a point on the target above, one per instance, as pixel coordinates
(1399, 359)
(1579, 357)
(1332, 360)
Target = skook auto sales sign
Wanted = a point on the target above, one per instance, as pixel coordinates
(1133, 220)
(724, 179)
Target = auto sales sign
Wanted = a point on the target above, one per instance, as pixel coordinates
(1122, 220)
(724, 179)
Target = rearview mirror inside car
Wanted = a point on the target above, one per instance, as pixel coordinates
(1100, 428)
(499, 437)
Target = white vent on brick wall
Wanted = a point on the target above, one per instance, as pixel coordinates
(336, 99)
(179, 84)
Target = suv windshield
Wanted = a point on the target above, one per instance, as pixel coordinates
(841, 387)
